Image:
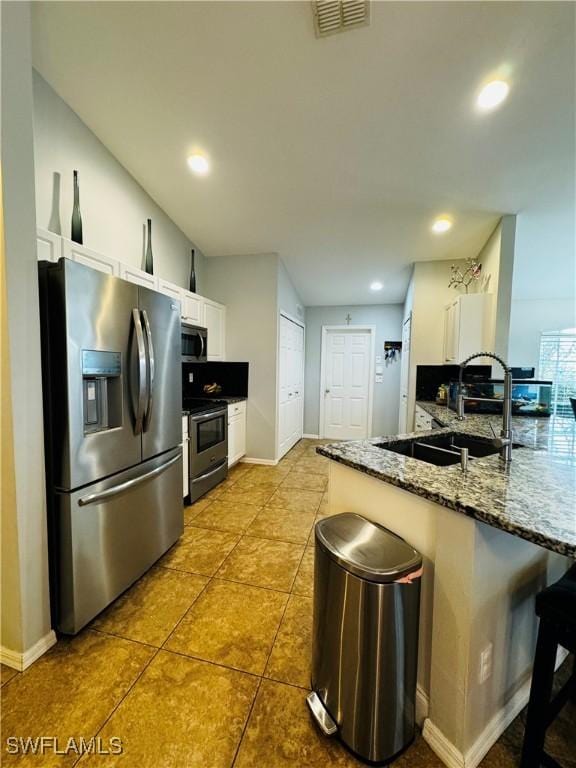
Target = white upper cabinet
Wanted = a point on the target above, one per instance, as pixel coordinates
(464, 322)
(192, 308)
(170, 289)
(195, 309)
(138, 276)
(90, 258)
(215, 322)
(48, 245)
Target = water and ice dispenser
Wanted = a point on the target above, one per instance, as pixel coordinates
(102, 390)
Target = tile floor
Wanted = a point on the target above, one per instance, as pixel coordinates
(204, 663)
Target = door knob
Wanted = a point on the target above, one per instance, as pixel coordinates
(326, 391)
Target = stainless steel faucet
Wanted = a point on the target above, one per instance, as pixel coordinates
(504, 442)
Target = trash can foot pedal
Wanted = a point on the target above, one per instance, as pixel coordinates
(320, 714)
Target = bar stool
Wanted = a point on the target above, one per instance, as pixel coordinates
(556, 607)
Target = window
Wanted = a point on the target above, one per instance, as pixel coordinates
(558, 363)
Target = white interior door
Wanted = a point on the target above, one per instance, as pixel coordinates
(291, 384)
(404, 375)
(347, 383)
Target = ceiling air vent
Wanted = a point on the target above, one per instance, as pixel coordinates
(332, 16)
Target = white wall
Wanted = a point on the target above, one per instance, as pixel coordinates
(388, 321)
(248, 286)
(288, 299)
(25, 597)
(544, 282)
(114, 206)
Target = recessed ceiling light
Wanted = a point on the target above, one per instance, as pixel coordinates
(442, 224)
(199, 164)
(376, 286)
(492, 94)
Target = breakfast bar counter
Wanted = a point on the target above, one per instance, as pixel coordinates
(491, 538)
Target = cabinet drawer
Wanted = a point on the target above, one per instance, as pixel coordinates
(236, 408)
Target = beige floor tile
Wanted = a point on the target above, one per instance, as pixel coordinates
(260, 481)
(231, 624)
(296, 500)
(193, 510)
(291, 657)
(263, 563)
(70, 692)
(314, 465)
(305, 481)
(248, 494)
(280, 734)
(323, 508)
(152, 607)
(304, 582)
(6, 674)
(238, 471)
(200, 551)
(227, 516)
(182, 713)
(282, 524)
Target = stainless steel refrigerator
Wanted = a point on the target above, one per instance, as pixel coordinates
(112, 406)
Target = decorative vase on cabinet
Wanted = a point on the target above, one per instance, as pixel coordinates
(76, 233)
(192, 273)
(149, 259)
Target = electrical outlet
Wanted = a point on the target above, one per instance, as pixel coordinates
(485, 664)
(190, 378)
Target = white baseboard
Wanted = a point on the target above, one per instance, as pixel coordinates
(21, 661)
(422, 705)
(496, 726)
(265, 462)
(311, 437)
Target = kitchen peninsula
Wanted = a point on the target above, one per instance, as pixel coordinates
(491, 538)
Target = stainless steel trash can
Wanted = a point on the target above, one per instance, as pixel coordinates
(365, 643)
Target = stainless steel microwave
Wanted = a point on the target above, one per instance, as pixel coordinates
(194, 344)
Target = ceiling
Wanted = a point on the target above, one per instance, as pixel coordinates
(335, 153)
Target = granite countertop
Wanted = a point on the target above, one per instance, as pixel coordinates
(533, 498)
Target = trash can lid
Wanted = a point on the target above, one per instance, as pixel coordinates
(366, 549)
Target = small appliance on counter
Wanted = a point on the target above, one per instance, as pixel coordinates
(208, 444)
(530, 397)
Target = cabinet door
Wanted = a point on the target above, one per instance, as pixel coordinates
(48, 245)
(236, 438)
(138, 276)
(90, 258)
(192, 308)
(214, 322)
(451, 332)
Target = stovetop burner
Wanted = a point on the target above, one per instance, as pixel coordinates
(201, 404)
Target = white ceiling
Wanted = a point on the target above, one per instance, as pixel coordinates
(335, 153)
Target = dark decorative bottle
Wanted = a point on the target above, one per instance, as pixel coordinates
(76, 217)
(192, 273)
(149, 259)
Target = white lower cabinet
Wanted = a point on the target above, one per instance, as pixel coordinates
(422, 420)
(90, 258)
(236, 432)
(138, 276)
(185, 451)
(214, 321)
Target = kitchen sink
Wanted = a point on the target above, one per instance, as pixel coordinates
(442, 450)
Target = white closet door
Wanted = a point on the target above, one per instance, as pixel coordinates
(347, 384)
(291, 384)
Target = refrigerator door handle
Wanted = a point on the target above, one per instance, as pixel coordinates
(141, 371)
(94, 498)
(151, 370)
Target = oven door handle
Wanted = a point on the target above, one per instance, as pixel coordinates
(209, 474)
(208, 416)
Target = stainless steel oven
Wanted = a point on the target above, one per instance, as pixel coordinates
(194, 344)
(208, 454)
